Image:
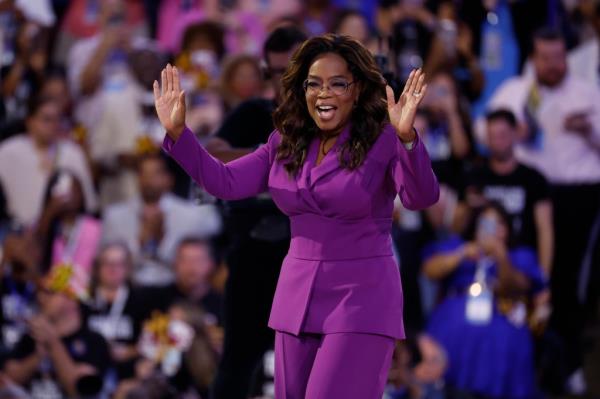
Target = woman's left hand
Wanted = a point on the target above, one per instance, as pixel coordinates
(402, 113)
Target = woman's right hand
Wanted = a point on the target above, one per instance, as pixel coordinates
(169, 101)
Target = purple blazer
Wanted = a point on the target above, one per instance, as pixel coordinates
(339, 274)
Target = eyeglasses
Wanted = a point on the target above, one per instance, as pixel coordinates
(338, 87)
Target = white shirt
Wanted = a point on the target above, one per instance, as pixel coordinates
(122, 222)
(584, 59)
(116, 79)
(564, 157)
(112, 116)
(38, 11)
(24, 180)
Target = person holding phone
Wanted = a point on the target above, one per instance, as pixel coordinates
(258, 231)
(34, 157)
(66, 233)
(337, 308)
(558, 116)
(481, 322)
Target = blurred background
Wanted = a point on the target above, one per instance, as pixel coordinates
(114, 264)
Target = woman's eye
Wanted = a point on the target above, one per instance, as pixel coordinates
(338, 85)
(313, 85)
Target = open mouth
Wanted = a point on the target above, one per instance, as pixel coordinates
(326, 112)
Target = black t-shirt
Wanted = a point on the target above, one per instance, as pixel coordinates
(84, 346)
(127, 326)
(121, 323)
(212, 303)
(17, 300)
(248, 125)
(14, 108)
(518, 191)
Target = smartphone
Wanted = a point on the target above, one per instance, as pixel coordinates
(487, 226)
(63, 186)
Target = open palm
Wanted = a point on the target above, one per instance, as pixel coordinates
(169, 101)
(402, 113)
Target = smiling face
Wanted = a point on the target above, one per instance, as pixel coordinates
(330, 107)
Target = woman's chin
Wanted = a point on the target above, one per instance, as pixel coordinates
(329, 127)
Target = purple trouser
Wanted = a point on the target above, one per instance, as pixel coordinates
(329, 366)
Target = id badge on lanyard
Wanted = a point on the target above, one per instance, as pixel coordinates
(480, 299)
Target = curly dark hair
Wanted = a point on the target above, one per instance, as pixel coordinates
(293, 121)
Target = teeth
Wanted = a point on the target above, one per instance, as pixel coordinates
(325, 107)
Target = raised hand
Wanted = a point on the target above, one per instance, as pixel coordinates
(402, 113)
(169, 101)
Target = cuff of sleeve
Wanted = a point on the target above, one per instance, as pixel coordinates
(409, 146)
(169, 143)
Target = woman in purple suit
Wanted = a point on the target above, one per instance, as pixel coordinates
(334, 165)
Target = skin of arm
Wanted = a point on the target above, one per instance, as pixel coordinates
(10, 83)
(542, 212)
(68, 371)
(90, 76)
(458, 136)
(21, 371)
(439, 266)
(510, 280)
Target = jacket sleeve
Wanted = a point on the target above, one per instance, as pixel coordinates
(241, 178)
(411, 175)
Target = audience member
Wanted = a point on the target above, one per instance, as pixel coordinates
(84, 19)
(317, 16)
(241, 80)
(522, 191)
(117, 309)
(202, 50)
(452, 50)
(17, 293)
(175, 16)
(560, 136)
(33, 158)
(194, 267)
(418, 367)
(108, 99)
(22, 78)
(352, 23)
(67, 234)
(56, 87)
(58, 357)
(498, 26)
(153, 223)
(482, 321)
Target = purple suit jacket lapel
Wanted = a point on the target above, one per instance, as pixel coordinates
(330, 162)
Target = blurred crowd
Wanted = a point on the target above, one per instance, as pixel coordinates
(113, 263)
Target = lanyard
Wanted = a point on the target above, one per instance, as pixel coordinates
(115, 312)
(71, 242)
